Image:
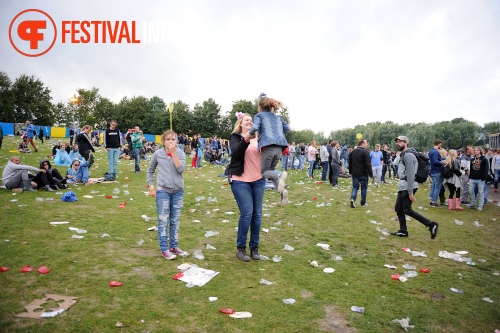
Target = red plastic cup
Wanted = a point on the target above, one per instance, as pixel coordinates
(43, 269)
(4, 269)
(406, 249)
(395, 276)
(109, 196)
(227, 310)
(425, 270)
(178, 276)
(115, 284)
(26, 269)
(122, 205)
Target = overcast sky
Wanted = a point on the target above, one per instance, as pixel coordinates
(334, 64)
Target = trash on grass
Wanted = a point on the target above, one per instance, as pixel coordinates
(26, 269)
(196, 276)
(211, 233)
(264, 281)
(288, 301)
(487, 299)
(477, 224)
(240, 315)
(405, 323)
(140, 242)
(198, 255)
(358, 309)
(277, 258)
(329, 270)
(210, 247)
(227, 310)
(77, 236)
(314, 263)
(288, 248)
(212, 299)
(408, 266)
(56, 223)
(4, 269)
(458, 291)
(390, 266)
(325, 247)
(67, 302)
(43, 269)
(114, 283)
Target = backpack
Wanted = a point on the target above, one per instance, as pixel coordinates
(424, 165)
(447, 171)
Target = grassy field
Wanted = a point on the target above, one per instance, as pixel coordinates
(151, 301)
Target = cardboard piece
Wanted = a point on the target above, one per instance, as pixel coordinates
(68, 301)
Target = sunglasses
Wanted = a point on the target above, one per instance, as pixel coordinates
(76, 164)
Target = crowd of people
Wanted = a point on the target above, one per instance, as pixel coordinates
(254, 150)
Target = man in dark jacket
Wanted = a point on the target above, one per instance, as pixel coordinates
(479, 167)
(360, 168)
(84, 142)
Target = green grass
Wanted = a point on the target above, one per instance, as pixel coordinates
(84, 267)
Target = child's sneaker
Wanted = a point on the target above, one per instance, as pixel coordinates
(168, 255)
(281, 181)
(179, 252)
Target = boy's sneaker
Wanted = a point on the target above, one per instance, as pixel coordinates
(353, 205)
(479, 209)
(281, 181)
(168, 255)
(254, 253)
(400, 233)
(284, 197)
(91, 159)
(241, 254)
(364, 205)
(434, 204)
(433, 228)
(179, 252)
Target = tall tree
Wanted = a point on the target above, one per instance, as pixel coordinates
(32, 101)
(206, 118)
(6, 99)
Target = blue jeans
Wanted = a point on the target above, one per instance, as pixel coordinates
(437, 182)
(249, 197)
(497, 175)
(284, 162)
(301, 162)
(476, 187)
(169, 207)
(356, 181)
(345, 164)
(198, 161)
(82, 173)
(311, 168)
(324, 170)
(136, 152)
(113, 154)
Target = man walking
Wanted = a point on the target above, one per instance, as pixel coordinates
(376, 157)
(137, 145)
(360, 168)
(407, 187)
(113, 144)
(30, 134)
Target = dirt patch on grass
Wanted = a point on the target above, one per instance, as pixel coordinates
(306, 294)
(437, 296)
(334, 322)
(143, 272)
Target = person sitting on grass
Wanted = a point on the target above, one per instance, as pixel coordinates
(80, 170)
(54, 178)
(125, 153)
(16, 176)
(62, 157)
(23, 147)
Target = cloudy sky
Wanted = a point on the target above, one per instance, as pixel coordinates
(333, 63)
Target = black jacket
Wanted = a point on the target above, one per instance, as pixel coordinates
(360, 163)
(238, 147)
(84, 143)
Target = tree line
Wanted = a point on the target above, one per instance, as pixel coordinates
(27, 98)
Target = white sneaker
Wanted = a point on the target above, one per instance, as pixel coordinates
(364, 205)
(281, 181)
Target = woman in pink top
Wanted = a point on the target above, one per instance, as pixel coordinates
(247, 185)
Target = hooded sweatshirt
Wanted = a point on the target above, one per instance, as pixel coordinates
(12, 168)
